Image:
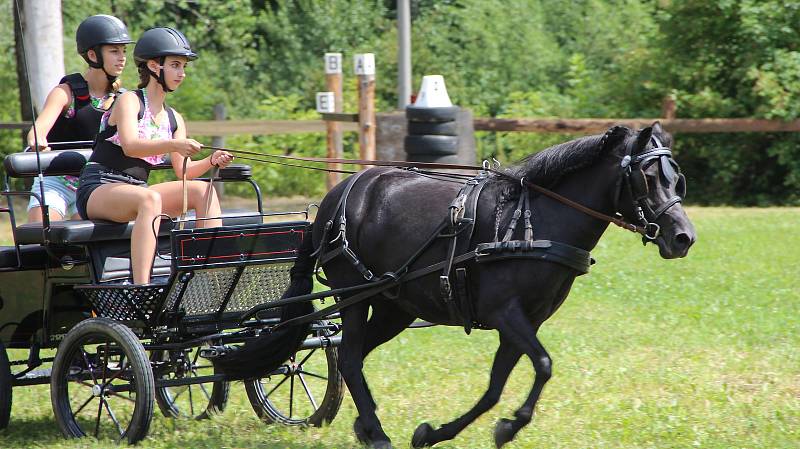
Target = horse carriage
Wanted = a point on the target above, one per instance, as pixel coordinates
(396, 244)
(123, 348)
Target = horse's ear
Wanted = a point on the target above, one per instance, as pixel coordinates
(657, 129)
(643, 139)
(614, 136)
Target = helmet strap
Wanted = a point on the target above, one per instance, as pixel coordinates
(160, 77)
(99, 64)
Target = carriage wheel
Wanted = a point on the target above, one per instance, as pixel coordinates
(5, 388)
(198, 401)
(307, 390)
(102, 383)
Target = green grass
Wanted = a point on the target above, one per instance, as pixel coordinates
(647, 353)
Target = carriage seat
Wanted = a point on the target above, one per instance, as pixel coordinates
(87, 231)
(33, 256)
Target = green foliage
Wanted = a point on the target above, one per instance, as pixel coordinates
(503, 58)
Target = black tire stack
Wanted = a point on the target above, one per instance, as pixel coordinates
(432, 134)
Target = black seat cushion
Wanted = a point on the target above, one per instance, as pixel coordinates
(86, 231)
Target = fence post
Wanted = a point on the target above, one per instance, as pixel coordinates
(333, 83)
(219, 142)
(365, 70)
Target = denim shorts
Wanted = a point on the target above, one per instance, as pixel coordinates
(93, 176)
(57, 194)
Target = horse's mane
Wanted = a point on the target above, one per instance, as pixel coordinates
(548, 166)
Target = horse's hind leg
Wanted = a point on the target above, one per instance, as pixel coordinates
(519, 331)
(386, 322)
(351, 362)
(504, 361)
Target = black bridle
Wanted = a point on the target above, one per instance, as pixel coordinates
(635, 181)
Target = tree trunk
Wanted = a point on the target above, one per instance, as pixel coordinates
(44, 47)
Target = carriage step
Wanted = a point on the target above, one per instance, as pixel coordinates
(35, 377)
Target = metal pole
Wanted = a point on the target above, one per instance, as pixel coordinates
(403, 53)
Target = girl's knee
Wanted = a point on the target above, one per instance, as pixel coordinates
(150, 202)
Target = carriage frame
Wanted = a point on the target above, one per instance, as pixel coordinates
(62, 286)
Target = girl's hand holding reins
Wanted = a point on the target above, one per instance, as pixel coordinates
(221, 159)
(186, 147)
(43, 145)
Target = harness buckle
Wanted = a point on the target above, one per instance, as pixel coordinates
(445, 289)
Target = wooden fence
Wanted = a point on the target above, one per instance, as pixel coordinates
(530, 125)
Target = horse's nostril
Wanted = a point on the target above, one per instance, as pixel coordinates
(684, 240)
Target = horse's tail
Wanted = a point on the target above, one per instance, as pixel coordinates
(262, 355)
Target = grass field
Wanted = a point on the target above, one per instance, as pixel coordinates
(647, 353)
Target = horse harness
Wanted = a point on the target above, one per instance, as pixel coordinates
(634, 180)
(458, 228)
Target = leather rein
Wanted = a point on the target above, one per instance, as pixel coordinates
(649, 231)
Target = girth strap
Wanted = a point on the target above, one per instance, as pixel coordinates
(561, 253)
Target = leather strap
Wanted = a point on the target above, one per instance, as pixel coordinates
(592, 213)
(182, 222)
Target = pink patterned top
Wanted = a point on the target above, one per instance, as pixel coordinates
(148, 130)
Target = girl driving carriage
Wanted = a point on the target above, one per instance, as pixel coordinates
(73, 109)
(137, 133)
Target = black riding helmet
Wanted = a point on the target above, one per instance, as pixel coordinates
(158, 43)
(100, 30)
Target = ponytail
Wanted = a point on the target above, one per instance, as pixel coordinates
(144, 75)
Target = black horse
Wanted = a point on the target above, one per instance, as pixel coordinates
(390, 212)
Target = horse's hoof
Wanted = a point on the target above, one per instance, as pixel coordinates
(422, 436)
(360, 431)
(503, 432)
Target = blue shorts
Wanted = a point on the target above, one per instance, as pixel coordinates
(57, 195)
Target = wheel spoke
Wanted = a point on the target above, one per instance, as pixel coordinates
(291, 397)
(191, 402)
(117, 395)
(105, 364)
(180, 390)
(82, 406)
(115, 376)
(205, 392)
(305, 359)
(309, 373)
(308, 392)
(276, 387)
(114, 418)
(88, 365)
(97, 422)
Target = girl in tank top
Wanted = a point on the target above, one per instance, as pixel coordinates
(73, 109)
(137, 133)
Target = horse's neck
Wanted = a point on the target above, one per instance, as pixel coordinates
(591, 187)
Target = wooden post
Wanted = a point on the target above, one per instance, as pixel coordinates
(668, 107)
(365, 70)
(219, 142)
(333, 82)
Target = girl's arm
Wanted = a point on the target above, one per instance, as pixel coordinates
(126, 116)
(195, 169)
(57, 100)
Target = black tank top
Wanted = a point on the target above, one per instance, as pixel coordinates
(86, 121)
(111, 155)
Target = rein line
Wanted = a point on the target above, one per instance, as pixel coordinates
(431, 165)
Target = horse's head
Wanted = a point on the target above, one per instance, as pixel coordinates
(651, 189)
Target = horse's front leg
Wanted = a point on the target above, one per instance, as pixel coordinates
(514, 326)
(504, 361)
(351, 362)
